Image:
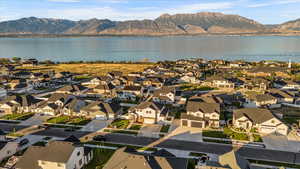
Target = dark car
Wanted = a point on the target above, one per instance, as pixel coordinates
(24, 142)
(99, 138)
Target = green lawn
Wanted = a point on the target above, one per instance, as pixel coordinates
(59, 120)
(17, 116)
(79, 121)
(121, 131)
(257, 138)
(101, 156)
(136, 127)
(165, 128)
(119, 124)
(228, 133)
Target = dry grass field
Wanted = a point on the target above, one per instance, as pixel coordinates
(91, 68)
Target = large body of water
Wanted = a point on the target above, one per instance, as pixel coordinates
(251, 48)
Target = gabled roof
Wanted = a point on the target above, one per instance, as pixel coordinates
(54, 151)
(23, 100)
(256, 115)
(99, 106)
(153, 105)
(72, 88)
(130, 160)
(194, 106)
(233, 160)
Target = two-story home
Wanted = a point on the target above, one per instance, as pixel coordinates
(201, 115)
(72, 89)
(260, 100)
(261, 119)
(149, 112)
(55, 155)
(101, 110)
(19, 104)
(219, 82)
(165, 95)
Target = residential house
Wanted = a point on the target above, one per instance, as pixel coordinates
(55, 155)
(286, 84)
(102, 110)
(47, 108)
(153, 81)
(219, 82)
(73, 106)
(115, 74)
(189, 79)
(165, 95)
(105, 89)
(19, 104)
(128, 159)
(230, 160)
(255, 84)
(260, 100)
(100, 80)
(149, 112)
(261, 119)
(201, 115)
(72, 89)
(264, 71)
(281, 96)
(134, 90)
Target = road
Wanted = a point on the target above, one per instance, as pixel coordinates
(246, 152)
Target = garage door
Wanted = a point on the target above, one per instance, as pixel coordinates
(149, 121)
(268, 129)
(100, 117)
(196, 124)
(184, 122)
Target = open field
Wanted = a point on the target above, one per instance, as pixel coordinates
(91, 68)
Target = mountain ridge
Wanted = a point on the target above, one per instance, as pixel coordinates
(166, 24)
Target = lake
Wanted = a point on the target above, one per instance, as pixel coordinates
(250, 48)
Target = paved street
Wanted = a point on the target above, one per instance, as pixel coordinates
(9, 127)
(96, 125)
(34, 120)
(150, 130)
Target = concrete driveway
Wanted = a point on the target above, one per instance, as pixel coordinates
(186, 134)
(96, 125)
(150, 130)
(37, 119)
(280, 142)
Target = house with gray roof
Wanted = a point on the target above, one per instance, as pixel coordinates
(149, 112)
(54, 155)
(101, 110)
(123, 158)
(201, 114)
(261, 119)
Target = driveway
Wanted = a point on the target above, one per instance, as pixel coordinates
(95, 125)
(186, 134)
(37, 119)
(150, 130)
(280, 142)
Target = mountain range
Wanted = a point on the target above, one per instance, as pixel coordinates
(178, 24)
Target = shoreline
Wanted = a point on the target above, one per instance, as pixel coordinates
(294, 34)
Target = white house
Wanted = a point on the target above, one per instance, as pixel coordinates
(149, 112)
(55, 155)
(261, 119)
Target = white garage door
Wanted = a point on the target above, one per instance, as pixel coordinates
(149, 121)
(267, 130)
(100, 117)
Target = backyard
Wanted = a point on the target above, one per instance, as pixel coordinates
(101, 156)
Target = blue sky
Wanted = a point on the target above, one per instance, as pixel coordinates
(264, 11)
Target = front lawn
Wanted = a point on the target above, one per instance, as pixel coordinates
(121, 131)
(194, 87)
(17, 116)
(59, 120)
(101, 156)
(228, 133)
(119, 124)
(257, 138)
(136, 127)
(69, 120)
(165, 128)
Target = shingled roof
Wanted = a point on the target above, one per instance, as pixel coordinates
(130, 160)
(194, 106)
(256, 115)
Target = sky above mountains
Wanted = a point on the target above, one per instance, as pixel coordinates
(264, 11)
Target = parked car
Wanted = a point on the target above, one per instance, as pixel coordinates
(99, 138)
(24, 142)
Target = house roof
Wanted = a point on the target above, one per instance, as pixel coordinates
(58, 96)
(194, 106)
(233, 160)
(132, 88)
(123, 159)
(54, 151)
(263, 97)
(256, 115)
(72, 88)
(23, 100)
(153, 105)
(99, 106)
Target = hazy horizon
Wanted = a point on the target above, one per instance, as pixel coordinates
(263, 11)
